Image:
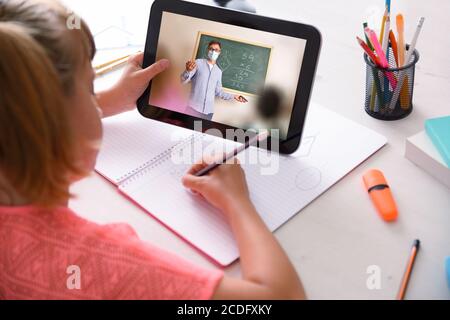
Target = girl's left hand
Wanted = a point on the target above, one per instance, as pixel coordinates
(124, 94)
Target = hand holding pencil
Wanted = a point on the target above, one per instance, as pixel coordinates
(229, 177)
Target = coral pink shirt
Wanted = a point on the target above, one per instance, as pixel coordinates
(38, 246)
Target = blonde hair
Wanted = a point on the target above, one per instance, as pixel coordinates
(39, 59)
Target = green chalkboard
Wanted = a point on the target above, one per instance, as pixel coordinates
(244, 65)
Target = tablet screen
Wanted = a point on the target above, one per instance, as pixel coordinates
(227, 74)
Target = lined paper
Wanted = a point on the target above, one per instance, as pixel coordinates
(130, 141)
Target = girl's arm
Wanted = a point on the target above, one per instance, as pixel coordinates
(124, 94)
(267, 272)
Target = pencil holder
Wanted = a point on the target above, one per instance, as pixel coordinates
(389, 92)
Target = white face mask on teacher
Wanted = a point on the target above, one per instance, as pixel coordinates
(213, 55)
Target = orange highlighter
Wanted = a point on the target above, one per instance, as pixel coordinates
(381, 195)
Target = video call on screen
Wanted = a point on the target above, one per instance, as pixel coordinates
(227, 74)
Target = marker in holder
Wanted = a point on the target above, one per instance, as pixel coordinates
(380, 90)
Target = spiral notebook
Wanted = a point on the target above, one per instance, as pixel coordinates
(146, 159)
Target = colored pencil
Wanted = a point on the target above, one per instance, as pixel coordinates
(409, 268)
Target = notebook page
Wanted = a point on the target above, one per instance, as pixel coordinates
(332, 146)
(130, 141)
(159, 190)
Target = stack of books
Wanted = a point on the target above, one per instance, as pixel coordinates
(430, 149)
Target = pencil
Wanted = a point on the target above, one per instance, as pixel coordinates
(404, 93)
(376, 83)
(409, 267)
(111, 67)
(366, 25)
(385, 47)
(103, 65)
(402, 74)
(375, 77)
(383, 25)
(394, 46)
(258, 138)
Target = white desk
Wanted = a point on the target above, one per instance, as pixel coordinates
(338, 236)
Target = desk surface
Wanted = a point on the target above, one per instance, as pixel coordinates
(335, 239)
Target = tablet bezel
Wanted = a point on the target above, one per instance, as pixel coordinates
(241, 19)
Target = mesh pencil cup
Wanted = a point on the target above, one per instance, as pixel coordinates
(389, 92)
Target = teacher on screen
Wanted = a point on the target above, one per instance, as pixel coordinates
(206, 78)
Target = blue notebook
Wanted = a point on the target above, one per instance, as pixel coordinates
(439, 131)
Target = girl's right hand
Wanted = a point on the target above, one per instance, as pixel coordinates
(223, 187)
(266, 269)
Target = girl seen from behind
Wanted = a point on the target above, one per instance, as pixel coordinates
(50, 134)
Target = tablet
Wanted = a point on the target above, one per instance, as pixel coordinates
(230, 71)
